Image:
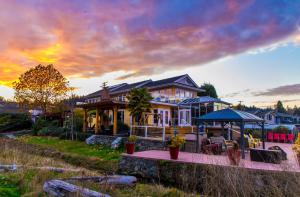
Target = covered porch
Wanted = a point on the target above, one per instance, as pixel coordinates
(102, 108)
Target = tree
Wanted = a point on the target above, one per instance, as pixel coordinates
(41, 86)
(209, 90)
(280, 108)
(139, 103)
(296, 111)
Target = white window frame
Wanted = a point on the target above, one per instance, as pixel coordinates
(186, 122)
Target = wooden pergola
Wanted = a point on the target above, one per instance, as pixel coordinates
(100, 106)
(234, 116)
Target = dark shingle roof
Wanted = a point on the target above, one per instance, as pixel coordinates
(124, 87)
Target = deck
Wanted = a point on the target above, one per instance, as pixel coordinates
(291, 164)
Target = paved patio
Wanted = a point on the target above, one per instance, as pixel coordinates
(289, 165)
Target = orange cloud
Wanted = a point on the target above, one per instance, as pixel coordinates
(91, 38)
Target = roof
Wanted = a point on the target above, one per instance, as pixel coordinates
(202, 99)
(230, 115)
(183, 81)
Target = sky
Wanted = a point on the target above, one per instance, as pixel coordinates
(249, 50)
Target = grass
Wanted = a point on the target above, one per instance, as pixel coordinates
(28, 181)
(75, 147)
(8, 188)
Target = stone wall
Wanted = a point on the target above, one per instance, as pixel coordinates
(211, 180)
(141, 144)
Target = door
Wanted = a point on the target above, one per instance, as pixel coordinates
(184, 117)
(164, 117)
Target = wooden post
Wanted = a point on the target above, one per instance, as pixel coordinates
(97, 121)
(115, 116)
(84, 120)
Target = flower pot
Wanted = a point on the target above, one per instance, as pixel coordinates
(174, 151)
(130, 148)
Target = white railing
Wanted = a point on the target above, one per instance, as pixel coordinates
(146, 130)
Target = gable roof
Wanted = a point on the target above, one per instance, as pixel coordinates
(183, 81)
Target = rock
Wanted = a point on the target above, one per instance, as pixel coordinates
(59, 188)
(12, 167)
(116, 143)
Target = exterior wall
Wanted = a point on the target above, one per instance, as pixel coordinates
(127, 118)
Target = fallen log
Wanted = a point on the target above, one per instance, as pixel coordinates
(111, 180)
(59, 188)
(12, 167)
(15, 167)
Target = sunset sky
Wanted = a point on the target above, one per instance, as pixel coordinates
(250, 50)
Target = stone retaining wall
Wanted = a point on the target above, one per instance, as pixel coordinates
(211, 180)
(142, 144)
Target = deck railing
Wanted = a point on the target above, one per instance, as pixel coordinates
(148, 131)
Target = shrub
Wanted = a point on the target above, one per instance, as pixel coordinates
(14, 122)
(281, 129)
(51, 131)
(43, 126)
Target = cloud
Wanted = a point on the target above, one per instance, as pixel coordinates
(91, 38)
(235, 94)
(286, 90)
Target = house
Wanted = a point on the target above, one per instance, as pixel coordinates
(174, 102)
(273, 117)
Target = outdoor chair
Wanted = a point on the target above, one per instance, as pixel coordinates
(270, 137)
(253, 142)
(276, 137)
(267, 156)
(282, 137)
(290, 138)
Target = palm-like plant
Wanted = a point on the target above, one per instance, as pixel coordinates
(139, 103)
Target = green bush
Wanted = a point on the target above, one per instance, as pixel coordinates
(14, 122)
(51, 131)
(281, 129)
(45, 127)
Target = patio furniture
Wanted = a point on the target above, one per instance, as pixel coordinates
(267, 156)
(290, 138)
(270, 137)
(283, 153)
(276, 137)
(218, 140)
(253, 142)
(282, 137)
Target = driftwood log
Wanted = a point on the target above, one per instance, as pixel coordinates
(15, 167)
(59, 188)
(110, 180)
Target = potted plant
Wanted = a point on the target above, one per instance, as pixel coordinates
(130, 145)
(175, 143)
(234, 154)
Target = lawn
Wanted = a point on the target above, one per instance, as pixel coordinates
(75, 147)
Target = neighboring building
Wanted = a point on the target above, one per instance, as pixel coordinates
(172, 103)
(274, 117)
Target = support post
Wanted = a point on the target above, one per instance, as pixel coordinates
(242, 139)
(231, 132)
(97, 121)
(164, 134)
(84, 129)
(146, 131)
(115, 116)
(263, 134)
